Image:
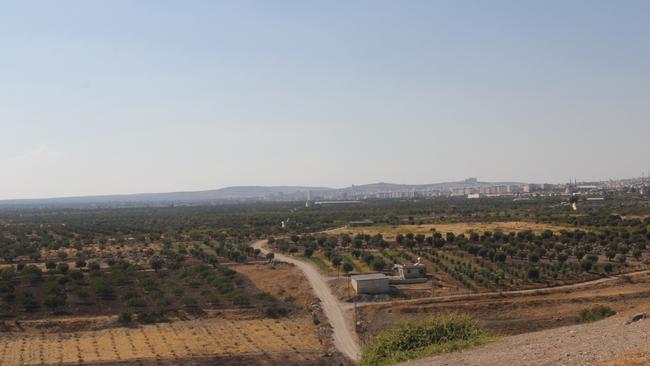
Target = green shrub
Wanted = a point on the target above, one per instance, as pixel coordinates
(93, 266)
(55, 295)
(149, 284)
(7, 291)
(411, 339)
(237, 297)
(289, 299)
(32, 273)
(177, 291)
(163, 301)
(136, 302)
(63, 267)
(81, 293)
(76, 275)
(29, 301)
(223, 287)
(148, 317)
(193, 282)
(264, 296)
(102, 288)
(7, 274)
(593, 314)
(130, 294)
(227, 272)
(125, 317)
(533, 274)
(276, 312)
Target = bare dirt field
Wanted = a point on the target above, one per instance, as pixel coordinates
(282, 280)
(295, 339)
(389, 232)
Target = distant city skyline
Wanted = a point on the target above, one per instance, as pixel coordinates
(497, 187)
(121, 97)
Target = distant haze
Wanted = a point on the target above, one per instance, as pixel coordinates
(255, 194)
(118, 97)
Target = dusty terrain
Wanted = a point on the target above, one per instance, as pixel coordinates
(607, 342)
(283, 281)
(515, 312)
(294, 339)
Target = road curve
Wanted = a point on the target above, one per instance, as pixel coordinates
(344, 339)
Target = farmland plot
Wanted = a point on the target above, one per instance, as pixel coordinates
(164, 342)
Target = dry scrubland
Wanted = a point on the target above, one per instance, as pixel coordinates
(608, 342)
(508, 314)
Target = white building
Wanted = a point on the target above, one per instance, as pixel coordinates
(408, 271)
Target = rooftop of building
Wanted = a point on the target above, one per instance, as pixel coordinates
(368, 277)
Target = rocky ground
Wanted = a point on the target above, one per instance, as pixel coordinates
(614, 341)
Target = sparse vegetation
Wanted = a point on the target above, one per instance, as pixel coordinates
(595, 313)
(164, 263)
(412, 340)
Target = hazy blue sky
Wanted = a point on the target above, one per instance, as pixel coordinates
(146, 96)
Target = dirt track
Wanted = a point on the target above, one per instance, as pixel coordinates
(539, 291)
(586, 344)
(344, 337)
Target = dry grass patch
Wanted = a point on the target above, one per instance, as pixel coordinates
(282, 280)
(177, 340)
(389, 232)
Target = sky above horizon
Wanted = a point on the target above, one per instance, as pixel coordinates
(110, 97)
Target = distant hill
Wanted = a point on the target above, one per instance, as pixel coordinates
(217, 195)
(244, 193)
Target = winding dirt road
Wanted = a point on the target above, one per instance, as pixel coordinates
(344, 337)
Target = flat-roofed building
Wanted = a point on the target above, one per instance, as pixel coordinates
(408, 271)
(374, 283)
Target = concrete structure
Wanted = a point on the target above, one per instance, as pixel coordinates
(407, 271)
(375, 283)
(365, 222)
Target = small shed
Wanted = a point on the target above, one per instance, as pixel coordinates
(408, 271)
(374, 283)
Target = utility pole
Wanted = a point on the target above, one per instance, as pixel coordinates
(349, 280)
(355, 313)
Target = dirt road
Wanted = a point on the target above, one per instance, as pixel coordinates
(344, 338)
